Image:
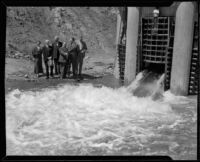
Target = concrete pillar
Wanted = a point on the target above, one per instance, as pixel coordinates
(118, 28)
(183, 40)
(131, 44)
(116, 68)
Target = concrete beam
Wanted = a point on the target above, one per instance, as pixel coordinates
(169, 11)
(147, 11)
(183, 40)
(131, 44)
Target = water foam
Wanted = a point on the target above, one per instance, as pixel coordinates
(86, 120)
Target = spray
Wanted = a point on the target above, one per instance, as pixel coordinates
(159, 88)
(137, 81)
(88, 120)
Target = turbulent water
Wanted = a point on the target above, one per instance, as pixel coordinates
(89, 120)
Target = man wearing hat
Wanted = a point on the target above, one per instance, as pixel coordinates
(55, 46)
(73, 52)
(48, 59)
(37, 52)
(81, 54)
(63, 60)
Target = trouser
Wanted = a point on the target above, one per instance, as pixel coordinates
(80, 63)
(40, 68)
(47, 69)
(73, 60)
(63, 69)
(57, 66)
(74, 68)
(36, 66)
(68, 67)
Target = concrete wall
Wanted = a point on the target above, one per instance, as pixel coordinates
(182, 49)
(131, 44)
(185, 15)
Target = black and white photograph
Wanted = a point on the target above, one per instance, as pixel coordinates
(102, 81)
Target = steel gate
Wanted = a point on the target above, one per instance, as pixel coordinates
(156, 44)
(193, 80)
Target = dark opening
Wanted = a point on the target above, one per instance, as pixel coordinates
(154, 67)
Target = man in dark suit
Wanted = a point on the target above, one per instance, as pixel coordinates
(48, 59)
(81, 54)
(73, 52)
(36, 53)
(55, 46)
(63, 60)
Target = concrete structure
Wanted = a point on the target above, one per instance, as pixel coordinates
(116, 70)
(131, 45)
(184, 14)
(183, 41)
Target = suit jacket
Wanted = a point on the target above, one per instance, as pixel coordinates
(63, 57)
(73, 48)
(84, 46)
(55, 50)
(36, 52)
(47, 52)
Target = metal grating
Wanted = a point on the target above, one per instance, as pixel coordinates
(121, 50)
(157, 47)
(139, 49)
(155, 39)
(169, 54)
(193, 80)
(121, 46)
(157, 43)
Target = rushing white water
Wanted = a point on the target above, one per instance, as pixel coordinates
(86, 120)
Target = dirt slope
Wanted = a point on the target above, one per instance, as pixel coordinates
(26, 25)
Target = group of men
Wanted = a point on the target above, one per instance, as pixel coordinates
(59, 56)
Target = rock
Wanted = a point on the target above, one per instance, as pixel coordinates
(20, 75)
(109, 69)
(68, 26)
(88, 68)
(26, 76)
(17, 54)
(83, 29)
(27, 56)
(98, 76)
(110, 66)
(87, 57)
(32, 80)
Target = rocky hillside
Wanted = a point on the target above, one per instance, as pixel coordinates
(26, 25)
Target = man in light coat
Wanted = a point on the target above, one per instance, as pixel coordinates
(63, 60)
